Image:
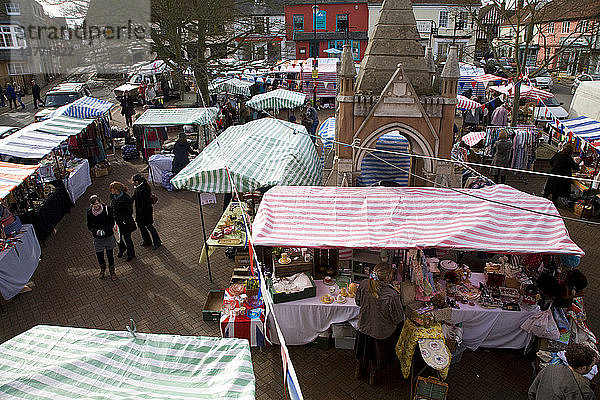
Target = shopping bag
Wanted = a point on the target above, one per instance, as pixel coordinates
(117, 233)
(542, 325)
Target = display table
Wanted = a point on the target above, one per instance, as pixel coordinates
(79, 180)
(158, 164)
(19, 262)
(494, 328)
(250, 326)
(49, 214)
(301, 321)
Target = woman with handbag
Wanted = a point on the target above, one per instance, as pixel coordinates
(122, 209)
(143, 199)
(100, 222)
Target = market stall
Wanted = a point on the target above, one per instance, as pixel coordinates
(20, 251)
(151, 127)
(233, 86)
(61, 362)
(276, 100)
(495, 219)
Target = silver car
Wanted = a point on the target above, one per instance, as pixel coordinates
(583, 78)
(541, 78)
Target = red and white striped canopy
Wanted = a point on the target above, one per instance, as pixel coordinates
(465, 103)
(527, 91)
(473, 138)
(415, 217)
(488, 78)
(12, 175)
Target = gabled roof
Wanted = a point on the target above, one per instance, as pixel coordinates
(560, 10)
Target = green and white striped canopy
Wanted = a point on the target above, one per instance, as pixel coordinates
(177, 116)
(63, 126)
(278, 99)
(261, 153)
(232, 86)
(59, 363)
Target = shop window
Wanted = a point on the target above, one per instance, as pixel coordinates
(298, 23)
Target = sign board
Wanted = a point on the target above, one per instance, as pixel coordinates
(208, 198)
(315, 73)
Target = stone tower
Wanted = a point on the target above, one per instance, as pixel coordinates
(449, 82)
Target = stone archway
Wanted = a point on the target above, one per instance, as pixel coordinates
(417, 144)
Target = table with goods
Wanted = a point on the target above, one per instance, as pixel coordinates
(19, 258)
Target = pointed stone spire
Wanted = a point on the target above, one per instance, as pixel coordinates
(395, 40)
(451, 68)
(429, 60)
(347, 69)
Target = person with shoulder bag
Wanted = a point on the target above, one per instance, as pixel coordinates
(100, 222)
(144, 199)
(122, 209)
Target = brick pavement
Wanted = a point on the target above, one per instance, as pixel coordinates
(164, 292)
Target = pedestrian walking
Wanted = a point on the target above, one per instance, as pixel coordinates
(100, 222)
(164, 86)
(122, 209)
(143, 200)
(127, 109)
(562, 164)
(557, 382)
(150, 94)
(35, 92)
(19, 93)
(312, 113)
(2, 97)
(11, 95)
(380, 322)
(181, 151)
(502, 156)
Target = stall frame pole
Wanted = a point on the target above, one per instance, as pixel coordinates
(204, 236)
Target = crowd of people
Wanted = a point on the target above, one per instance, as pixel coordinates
(105, 221)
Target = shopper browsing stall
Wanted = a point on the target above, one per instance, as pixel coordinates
(379, 322)
(181, 151)
(502, 156)
(122, 209)
(100, 222)
(562, 164)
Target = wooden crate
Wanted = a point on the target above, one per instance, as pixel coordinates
(285, 297)
(294, 267)
(213, 306)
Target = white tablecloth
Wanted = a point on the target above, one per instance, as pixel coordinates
(78, 181)
(301, 321)
(494, 328)
(159, 163)
(19, 262)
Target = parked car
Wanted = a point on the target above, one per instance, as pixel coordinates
(61, 94)
(541, 78)
(583, 78)
(540, 115)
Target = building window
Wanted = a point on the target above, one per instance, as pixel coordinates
(566, 26)
(298, 23)
(320, 20)
(13, 9)
(582, 26)
(551, 27)
(463, 19)
(17, 68)
(12, 37)
(443, 20)
(259, 25)
(339, 44)
(341, 22)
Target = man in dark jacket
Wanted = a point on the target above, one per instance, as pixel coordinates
(11, 95)
(181, 150)
(35, 91)
(122, 209)
(127, 109)
(142, 197)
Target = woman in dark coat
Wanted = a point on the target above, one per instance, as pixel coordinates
(562, 164)
(122, 209)
(100, 222)
(142, 197)
(181, 149)
(502, 156)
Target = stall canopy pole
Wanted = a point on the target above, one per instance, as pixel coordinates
(204, 236)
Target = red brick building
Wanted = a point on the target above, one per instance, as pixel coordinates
(336, 21)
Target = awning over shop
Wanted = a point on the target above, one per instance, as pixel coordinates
(278, 99)
(415, 217)
(233, 86)
(63, 126)
(177, 116)
(261, 153)
(12, 175)
(584, 127)
(65, 363)
(465, 103)
(85, 107)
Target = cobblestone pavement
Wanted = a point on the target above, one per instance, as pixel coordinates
(164, 292)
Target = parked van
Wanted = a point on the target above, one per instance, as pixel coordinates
(61, 94)
(144, 72)
(586, 101)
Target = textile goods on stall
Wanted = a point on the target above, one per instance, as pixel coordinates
(405, 218)
(79, 180)
(18, 262)
(158, 164)
(177, 116)
(260, 153)
(525, 141)
(12, 175)
(233, 86)
(60, 362)
(277, 100)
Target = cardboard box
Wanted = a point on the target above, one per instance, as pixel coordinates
(581, 211)
(213, 306)
(343, 330)
(284, 297)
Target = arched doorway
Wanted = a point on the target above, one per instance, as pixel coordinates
(383, 166)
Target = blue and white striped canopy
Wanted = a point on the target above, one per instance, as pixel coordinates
(584, 127)
(85, 107)
(375, 167)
